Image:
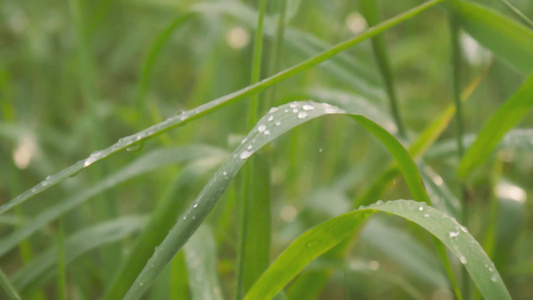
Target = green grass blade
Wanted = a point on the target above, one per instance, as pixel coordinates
(408, 252)
(161, 221)
(507, 116)
(200, 257)
(6, 288)
(417, 148)
(257, 250)
(212, 106)
(149, 162)
(275, 123)
(370, 11)
(40, 269)
(509, 40)
(519, 139)
(246, 192)
(325, 236)
(517, 12)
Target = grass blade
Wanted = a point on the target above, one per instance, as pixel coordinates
(40, 269)
(7, 289)
(325, 236)
(212, 106)
(161, 221)
(275, 123)
(200, 257)
(509, 40)
(370, 11)
(149, 162)
(507, 116)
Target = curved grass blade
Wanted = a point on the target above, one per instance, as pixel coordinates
(278, 121)
(509, 40)
(214, 105)
(161, 221)
(325, 236)
(149, 162)
(42, 268)
(507, 116)
(200, 257)
(7, 290)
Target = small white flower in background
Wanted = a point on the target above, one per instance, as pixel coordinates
(510, 191)
(25, 151)
(356, 23)
(473, 52)
(237, 38)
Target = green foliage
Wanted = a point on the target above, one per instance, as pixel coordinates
(265, 192)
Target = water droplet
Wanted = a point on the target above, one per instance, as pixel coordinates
(420, 208)
(463, 260)
(244, 140)
(195, 205)
(286, 110)
(453, 234)
(293, 105)
(464, 229)
(225, 173)
(426, 215)
(184, 217)
(135, 147)
(320, 149)
(302, 115)
(379, 202)
(295, 110)
(494, 278)
(273, 110)
(267, 132)
(249, 147)
(141, 284)
(270, 118)
(261, 128)
(245, 154)
(278, 123)
(308, 107)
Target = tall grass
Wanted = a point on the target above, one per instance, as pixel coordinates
(270, 190)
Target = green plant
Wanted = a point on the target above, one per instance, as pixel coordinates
(293, 224)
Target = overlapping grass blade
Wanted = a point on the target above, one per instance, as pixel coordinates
(509, 40)
(257, 250)
(407, 252)
(161, 221)
(148, 162)
(276, 122)
(325, 236)
(371, 12)
(212, 106)
(200, 257)
(518, 139)
(42, 268)
(6, 288)
(507, 117)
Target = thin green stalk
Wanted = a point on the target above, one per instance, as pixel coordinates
(61, 265)
(370, 11)
(253, 110)
(456, 65)
(520, 14)
(276, 53)
(214, 105)
(6, 288)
